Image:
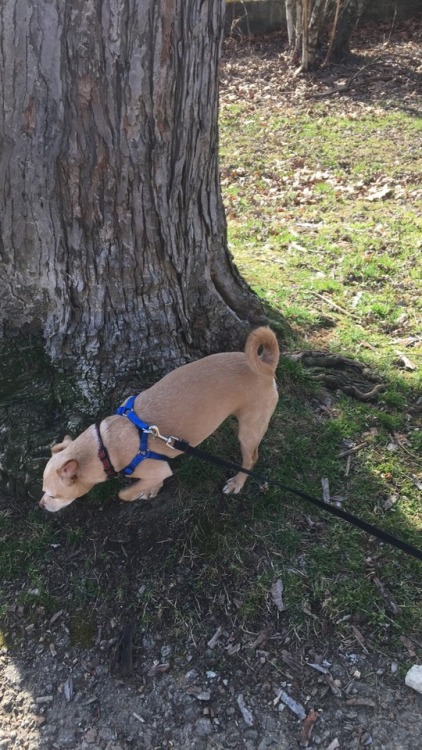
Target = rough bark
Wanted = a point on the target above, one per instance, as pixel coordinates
(112, 241)
(312, 23)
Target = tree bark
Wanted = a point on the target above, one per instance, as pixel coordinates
(113, 237)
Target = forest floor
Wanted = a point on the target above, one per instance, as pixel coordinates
(210, 624)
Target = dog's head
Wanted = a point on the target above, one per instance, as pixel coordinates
(62, 483)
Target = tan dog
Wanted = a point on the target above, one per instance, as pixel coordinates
(189, 403)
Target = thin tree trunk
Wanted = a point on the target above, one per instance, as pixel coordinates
(333, 31)
(112, 241)
(298, 30)
(315, 23)
(305, 34)
(290, 23)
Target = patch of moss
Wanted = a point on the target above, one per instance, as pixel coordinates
(82, 629)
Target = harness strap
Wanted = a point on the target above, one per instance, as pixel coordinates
(127, 410)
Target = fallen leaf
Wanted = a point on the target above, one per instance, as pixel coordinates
(308, 726)
(359, 637)
(409, 645)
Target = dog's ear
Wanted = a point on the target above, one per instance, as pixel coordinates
(69, 472)
(61, 446)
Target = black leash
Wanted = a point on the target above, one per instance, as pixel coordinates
(384, 536)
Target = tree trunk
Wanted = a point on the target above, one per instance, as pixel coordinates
(311, 38)
(290, 22)
(112, 240)
(350, 13)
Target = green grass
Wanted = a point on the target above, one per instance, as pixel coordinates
(307, 218)
(343, 268)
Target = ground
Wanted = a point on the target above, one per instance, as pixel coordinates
(77, 676)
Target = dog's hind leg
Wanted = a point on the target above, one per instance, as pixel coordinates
(150, 475)
(251, 432)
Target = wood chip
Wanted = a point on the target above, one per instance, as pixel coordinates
(247, 716)
(294, 706)
(277, 594)
(159, 669)
(55, 616)
(213, 641)
(290, 660)
(261, 638)
(68, 689)
(334, 687)
(318, 668)
(325, 490)
(361, 702)
(233, 649)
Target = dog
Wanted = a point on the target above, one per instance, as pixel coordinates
(190, 403)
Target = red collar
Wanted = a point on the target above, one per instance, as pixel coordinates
(104, 457)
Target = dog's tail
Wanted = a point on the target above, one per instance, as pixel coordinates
(262, 352)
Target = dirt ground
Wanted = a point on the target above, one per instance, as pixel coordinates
(184, 696)
(138, 686)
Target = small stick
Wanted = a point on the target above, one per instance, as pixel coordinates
(330, 303)
(355, 449)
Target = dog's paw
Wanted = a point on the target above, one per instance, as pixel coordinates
(130, 494)
(147, 495)
(233, 486)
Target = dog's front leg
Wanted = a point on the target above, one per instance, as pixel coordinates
(151, 475)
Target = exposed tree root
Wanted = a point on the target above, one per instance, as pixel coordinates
(336, 372)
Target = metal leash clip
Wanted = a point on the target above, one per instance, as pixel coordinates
(155, 432)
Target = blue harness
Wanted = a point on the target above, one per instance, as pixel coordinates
(127, 410)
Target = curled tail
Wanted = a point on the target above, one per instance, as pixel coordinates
(262, 352)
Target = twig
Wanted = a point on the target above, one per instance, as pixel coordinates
(330, 303)
(392, 27)
(349, 451)
(346, 86)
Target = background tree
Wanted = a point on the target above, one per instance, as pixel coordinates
(308, 21)
(113, 238)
